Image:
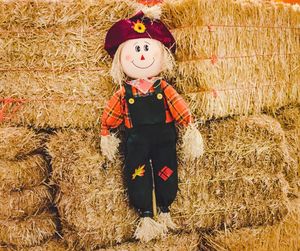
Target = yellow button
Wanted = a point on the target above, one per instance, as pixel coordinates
(131, 101)
(159, 96)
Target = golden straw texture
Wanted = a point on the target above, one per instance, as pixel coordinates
(29, 231)
(249, 155)
(16, 142)
(278, 237)
(51, 245)
(24, 203)
(234, 57)
(91, 200)
(172, 242)
(23, 173)
(289, 117)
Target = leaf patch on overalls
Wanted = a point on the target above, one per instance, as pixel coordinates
(140, 171)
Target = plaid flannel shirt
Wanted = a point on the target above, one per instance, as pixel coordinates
(116, 112)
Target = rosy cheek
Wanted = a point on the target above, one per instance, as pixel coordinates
(128, 57)
(156, 54)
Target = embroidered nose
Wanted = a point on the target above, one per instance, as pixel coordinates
(142, 57)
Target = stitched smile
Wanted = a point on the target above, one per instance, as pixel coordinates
(143, 67)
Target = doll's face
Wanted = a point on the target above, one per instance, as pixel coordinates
(142, 58)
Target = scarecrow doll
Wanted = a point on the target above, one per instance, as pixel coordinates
(148, 106)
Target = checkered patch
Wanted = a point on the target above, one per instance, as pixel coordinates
(165, 173)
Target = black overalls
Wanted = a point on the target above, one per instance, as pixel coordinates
(150, 139)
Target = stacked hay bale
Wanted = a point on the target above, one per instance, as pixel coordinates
(57, 61)
(247, 155)
(91, 200)
(281, 236)
(25, 198)
(241, 179)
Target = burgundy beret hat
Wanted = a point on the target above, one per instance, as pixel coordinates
(137, 26)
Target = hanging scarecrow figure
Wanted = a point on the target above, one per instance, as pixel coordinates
(141, 48)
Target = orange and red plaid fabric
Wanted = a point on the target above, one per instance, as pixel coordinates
(116, 112)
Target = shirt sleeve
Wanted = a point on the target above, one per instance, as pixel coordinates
(113, 114)
(177, 106)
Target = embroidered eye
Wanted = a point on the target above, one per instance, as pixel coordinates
(137, 48)
(146, 47)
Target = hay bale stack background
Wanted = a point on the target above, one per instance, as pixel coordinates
(281, 236)
(248, 155)
(58, 65)
(25, 196)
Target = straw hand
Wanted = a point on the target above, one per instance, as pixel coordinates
(192, 145)
(109, 146)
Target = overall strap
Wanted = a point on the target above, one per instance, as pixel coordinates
(157, 86)
(128, 90)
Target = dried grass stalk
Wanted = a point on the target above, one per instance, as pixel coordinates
(281, 236)
(16, 142)
(25, 173)
(28, 232)
(16, 204)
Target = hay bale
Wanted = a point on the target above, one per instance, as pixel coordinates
(289, 118)
(99, 214)
(50, 245)
(28, 232)
(68, 66)
(179, 241)
(51, 14)
(183, 241)
(248, 155)
(281, 236)
(24, 173)
(216, 90)
(58, 99)
(16, 142)
(18, 204)
(192, 12)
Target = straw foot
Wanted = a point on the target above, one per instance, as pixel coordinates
(166, 220)
(148, 229)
